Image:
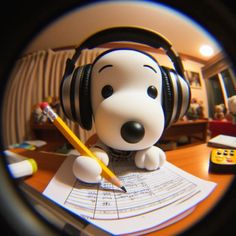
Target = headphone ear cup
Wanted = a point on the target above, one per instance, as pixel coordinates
(75, 96)
(176, 95)
(84, 98)
(65, 88)
(185, 95)
(167, 96)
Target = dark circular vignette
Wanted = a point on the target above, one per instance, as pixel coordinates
(21, 20)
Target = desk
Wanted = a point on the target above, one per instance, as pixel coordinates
(190, 128)
(192, 159)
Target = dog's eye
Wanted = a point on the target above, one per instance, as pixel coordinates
(152, 91)
(107, 91)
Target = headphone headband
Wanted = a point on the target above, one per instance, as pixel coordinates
(131, 34)
(75, 86)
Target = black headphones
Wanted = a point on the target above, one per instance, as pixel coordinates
(75, 85)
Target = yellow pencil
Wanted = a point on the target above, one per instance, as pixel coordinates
(78, 145)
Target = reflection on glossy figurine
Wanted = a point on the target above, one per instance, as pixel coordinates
(130, 97)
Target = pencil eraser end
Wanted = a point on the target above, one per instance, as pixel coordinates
(43, 105)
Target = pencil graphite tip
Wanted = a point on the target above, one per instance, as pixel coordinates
(123, 188)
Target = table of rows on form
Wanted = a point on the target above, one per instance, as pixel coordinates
(146, 192)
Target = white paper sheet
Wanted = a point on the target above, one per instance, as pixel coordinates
(152, 198)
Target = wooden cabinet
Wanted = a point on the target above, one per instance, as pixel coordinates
(194, 131)
(47, 132)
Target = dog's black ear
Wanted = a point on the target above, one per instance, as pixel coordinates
(175, 95)
(75, 96)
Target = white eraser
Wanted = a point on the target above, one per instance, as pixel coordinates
(23, 168)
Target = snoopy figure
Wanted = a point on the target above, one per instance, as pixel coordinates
(124, 89)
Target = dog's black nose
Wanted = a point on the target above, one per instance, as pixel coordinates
(132, 131)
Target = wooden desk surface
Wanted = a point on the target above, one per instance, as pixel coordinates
(192, 159)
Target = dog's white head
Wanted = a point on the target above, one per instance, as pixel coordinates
(126, 87)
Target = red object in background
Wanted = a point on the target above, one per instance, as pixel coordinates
(217, 127)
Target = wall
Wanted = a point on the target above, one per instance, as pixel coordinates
(199, 93)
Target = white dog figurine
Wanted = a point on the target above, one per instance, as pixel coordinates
(126, 88)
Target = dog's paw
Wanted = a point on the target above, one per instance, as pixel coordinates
(101, 154)
(150, 159)
(87, 169)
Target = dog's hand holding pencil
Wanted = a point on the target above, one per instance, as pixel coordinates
(87, 167)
